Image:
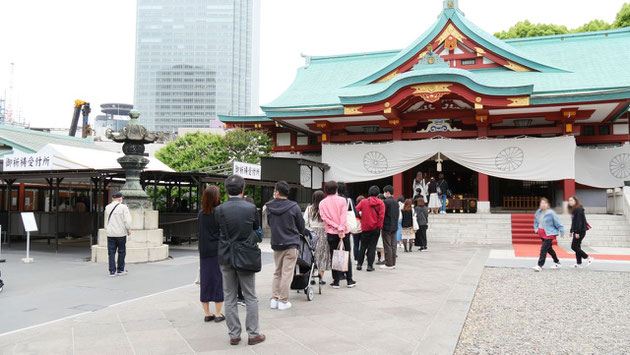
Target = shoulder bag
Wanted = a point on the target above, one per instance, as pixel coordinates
(353, 225)
(244, 255)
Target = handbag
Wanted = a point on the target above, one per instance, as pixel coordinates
(415, 221)
(353, 225)
(244, 255)
(340, 258)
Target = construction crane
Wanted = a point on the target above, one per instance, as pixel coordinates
(80, 107)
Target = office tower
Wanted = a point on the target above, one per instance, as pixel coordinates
(194, 59)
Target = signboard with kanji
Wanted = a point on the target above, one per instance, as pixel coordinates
(246, 170)
(22, 162)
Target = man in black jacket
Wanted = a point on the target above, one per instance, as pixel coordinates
(286, 222)
(237, 220)
(390, 226)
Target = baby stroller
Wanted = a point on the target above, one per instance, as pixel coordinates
(305, 266)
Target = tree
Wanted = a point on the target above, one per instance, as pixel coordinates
(194, 151)
(623, 17)
(247, 146)
(525, 28)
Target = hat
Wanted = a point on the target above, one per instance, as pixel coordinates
(117, 194)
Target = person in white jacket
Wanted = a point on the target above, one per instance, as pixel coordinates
(118, 226)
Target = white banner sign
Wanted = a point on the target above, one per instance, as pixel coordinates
(602, 167)
(533, 159)
(26, 162)
(247, 170)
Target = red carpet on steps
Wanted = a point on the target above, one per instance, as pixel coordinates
(523, 229)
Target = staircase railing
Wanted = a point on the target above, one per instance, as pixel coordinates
(520, 202)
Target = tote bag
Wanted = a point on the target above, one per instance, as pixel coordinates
(353, 224)
(340, 258)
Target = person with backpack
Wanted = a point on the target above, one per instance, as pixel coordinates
(118, 226)
(579, 226)
(372, 213)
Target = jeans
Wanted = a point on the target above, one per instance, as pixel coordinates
(389, 247)
(356, 241)
(114, 243)
(576, 246)
(282, 277)
(545, 248)
(333, 242)
(369, 240)
(443, 200)
(247, 280)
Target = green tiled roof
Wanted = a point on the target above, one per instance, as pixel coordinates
(593, 65)
(31, 141)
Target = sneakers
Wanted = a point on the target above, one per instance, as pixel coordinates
(577, 266)
(273, 304)
(370, 269)
(112, 274)
(351, 284)
(537, 268)
(334, 285)
(359, 267)
(283, 306)
(589, 261)
(385, 267)
(380, 262)
(556, 266)
(122, 273)
(240, 303)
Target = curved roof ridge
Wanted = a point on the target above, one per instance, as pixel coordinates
(352, 55)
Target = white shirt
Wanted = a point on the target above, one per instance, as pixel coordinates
(422, 185)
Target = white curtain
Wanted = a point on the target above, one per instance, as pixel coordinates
(602, 167)
(534, 159)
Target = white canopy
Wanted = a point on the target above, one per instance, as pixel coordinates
(61, 157)
(533, 159)
(602, 167)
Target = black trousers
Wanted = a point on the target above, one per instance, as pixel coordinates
(333, 243)
(356, 241)
(545, 248)
(369, 240)
(576, 246)
(113, 244)
(421, 237)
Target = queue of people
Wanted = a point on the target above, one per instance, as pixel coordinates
(229, 233)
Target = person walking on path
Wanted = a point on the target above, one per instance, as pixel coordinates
(372, 213)
(409, 225)
(579, 226)
(237, 219)
(118, 229)
(548, 226)
(286, 222)
(390, 226)
(434, 199)
(334, 212)
(210, 276)
(313, 220)
(422, 215)
(443, 192)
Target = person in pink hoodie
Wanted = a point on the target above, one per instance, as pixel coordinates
(334, 212)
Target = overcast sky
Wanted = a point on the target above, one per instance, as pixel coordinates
(70, 49)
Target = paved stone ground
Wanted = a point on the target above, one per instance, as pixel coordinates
(567, 311)
(418, 308)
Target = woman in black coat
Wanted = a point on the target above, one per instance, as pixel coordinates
(211, 278)
(579, 226)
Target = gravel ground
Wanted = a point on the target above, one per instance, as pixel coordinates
(519, 311)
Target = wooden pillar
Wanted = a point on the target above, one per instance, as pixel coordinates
(21, 196)
(398, 178)
(483, 193)
(569, 188)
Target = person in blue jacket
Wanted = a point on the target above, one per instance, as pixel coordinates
(548, 226)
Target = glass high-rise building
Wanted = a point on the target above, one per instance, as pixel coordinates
(195, 59)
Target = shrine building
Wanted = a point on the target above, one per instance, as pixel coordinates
(506, 121)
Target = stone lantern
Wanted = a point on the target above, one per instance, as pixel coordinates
(146, 240)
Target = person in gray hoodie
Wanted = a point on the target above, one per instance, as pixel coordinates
(286, 222)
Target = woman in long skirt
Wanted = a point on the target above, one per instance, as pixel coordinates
(211, 278)
(434, 199)
(313, 220)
